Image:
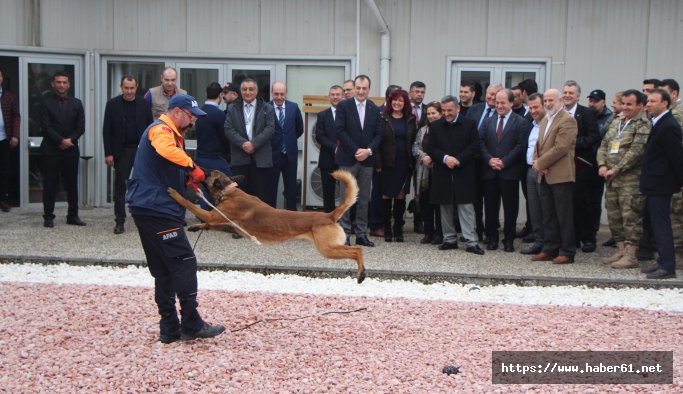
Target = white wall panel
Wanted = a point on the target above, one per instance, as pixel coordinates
(77, 24)
(150, 25)
(298, 27)
(664, 54)
(224, 27)
(14, 29)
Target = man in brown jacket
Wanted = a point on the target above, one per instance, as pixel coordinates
(554, 164)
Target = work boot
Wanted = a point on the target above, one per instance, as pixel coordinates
(628, 259)
(616, 256)
(386, 220)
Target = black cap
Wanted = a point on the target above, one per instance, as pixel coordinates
(230, 87)
(597, 94)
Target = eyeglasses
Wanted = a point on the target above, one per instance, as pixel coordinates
(189, 114)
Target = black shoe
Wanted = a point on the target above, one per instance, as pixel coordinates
(492, 245)
(208, 331)
(438, 240)
(529, 239)
(645, 255)
(48, 222)
(588, 247)
(523, 232)
(462, 239)
(610, 243)
(533, 249)
(448, 246)
(649, 267)
(75, 221)
(508, 247)
(169, 337)
(660, 273)
(348, 241)
(474, 249)
(119, 229)
(364, 241)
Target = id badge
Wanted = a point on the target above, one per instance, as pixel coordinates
(614, 147)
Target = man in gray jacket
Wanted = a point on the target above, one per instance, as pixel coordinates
(249, 126)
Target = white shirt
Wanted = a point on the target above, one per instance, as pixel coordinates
(572, 111)
(655, 120)
(533, 138)
(249, 117)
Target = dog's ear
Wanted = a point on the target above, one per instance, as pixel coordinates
(237, 178)
(217, 183)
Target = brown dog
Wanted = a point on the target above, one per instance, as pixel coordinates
(270, 225)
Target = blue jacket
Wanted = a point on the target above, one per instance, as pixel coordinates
(153, 174)
(287, 135)
(211, 140)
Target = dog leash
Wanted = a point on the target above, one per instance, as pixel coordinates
(243, 231)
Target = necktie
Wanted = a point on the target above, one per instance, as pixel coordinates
(361, 113)
(499, 130)
(281, 117)
(62, 105)
(485, 115)
(415, 113)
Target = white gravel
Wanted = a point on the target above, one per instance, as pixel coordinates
(652, 299)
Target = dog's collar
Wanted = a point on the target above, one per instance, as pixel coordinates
(223, 193)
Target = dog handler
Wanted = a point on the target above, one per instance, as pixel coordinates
(161, 162)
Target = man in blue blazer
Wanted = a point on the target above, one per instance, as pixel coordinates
(359, 136)
(289, 126)
(125, 119)
(660, 177)
(327, 139)
(501, 146)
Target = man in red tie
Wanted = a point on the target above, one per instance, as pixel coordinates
(502, 144)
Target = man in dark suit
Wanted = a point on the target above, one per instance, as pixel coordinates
(327, 139)
(9, 138)
(125, 119)
(213, 147)
(453, 143)
(589, 186)
(62, 121)
(249, 126)
(289, 126)
(660, 177)
(501, 146)
(417, 95)
(359, 132)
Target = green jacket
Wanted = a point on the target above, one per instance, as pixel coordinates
(627, 161)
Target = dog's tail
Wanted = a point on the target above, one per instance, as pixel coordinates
(351, 195)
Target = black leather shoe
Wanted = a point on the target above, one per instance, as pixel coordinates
(659, 273)
(364, 241)
(533, 249)
(119, 229)
(610, 243)
(474, 249)
(438, 240)
(169, 337)
(493, 245)
(448, 246)
(75, 221)
(650, 266)
(49, 223)
(208, 331)
(508, 247)
(588, 247)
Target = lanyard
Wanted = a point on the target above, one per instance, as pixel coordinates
(621, 129)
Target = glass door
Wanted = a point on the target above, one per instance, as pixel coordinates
(508, 73)
(263, 74)
(194, 78)
(35, 83)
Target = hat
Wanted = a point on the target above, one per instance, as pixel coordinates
(184, 101)
(230, 87)
(597, 94)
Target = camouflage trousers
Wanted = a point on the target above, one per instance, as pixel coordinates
(677, 220)
(625, 207)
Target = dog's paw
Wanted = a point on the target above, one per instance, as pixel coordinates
(172, 192)
(361, 276)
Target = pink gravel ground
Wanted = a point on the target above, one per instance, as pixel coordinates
(97, 339)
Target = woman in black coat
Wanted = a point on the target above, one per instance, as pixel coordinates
(395, 162)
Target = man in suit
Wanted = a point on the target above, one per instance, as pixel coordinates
(417, 96)
(479, 112)
(9, 138)
(289, 126)
(348, 89)
(125, 119)
(453, 143)
(589, 186)
(327, 139)
(660, 177)
(554, 166)
(62, 121)
(213, 146)
(358, 129)
(249, 126)
(501, 145)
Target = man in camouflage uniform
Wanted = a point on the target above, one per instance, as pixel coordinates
(619, 161)
(672, 87)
